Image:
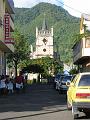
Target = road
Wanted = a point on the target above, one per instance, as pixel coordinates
(39, 102)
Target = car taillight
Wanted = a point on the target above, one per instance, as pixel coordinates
(82, 95)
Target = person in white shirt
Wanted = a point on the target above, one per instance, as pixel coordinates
(3, 84)
(10, 86)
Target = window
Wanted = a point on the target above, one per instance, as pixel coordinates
(44, 50)
(45, 41)
(85, 80)
(0, 22)
(74, 80)
(88, 43)
(67, 78)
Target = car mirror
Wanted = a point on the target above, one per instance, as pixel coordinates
(68, 83)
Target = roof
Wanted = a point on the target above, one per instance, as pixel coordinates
(84, 73)
(44, 25)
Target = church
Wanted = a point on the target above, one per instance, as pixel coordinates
(44, 42)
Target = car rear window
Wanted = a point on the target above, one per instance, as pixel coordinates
(67, 78)
(58, 76)
(85, 80)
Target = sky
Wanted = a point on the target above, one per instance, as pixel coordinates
(74, 7)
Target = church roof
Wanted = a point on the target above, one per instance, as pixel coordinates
(44, 25)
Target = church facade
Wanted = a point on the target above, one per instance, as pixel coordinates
(44, 42)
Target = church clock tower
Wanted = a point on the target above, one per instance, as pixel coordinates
(44, 41)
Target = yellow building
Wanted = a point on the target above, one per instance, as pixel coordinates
(6, 29)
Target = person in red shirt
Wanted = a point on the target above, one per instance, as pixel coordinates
(19, 82)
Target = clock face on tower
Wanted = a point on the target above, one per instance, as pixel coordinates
(44, 41)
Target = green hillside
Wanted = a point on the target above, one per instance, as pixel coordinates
(65, 25)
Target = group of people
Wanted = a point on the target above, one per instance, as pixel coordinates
(9, 85)
(6, 84)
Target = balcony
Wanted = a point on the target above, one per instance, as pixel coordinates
(11, 47)
(9, 6)
(6, 47)
(81, 51)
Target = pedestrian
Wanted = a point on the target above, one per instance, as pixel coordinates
(19, 82)
(10, 86)
(3, 85)
(0, 84)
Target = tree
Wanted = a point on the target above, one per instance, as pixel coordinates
(46, 66)
(79, 37)
(42, 65)
(58, 67)
(21, 52)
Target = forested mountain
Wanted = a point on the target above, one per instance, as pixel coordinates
(65, 26)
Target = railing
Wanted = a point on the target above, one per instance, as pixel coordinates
(81, 49)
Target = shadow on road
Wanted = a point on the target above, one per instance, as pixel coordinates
(38, 97)
(33, 115)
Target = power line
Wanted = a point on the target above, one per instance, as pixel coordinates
(70, 7)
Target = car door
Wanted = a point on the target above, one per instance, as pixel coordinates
(72, 90)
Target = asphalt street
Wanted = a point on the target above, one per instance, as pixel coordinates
(39, 102)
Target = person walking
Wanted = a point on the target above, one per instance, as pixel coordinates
(19, 82)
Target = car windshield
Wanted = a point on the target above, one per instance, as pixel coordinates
(57, 76)
(67, 78)
(85, 80)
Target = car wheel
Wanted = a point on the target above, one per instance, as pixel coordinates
(74, 112)
(87, 113)
(75, 116)
(69, 107)
(60, 91)
(56, 87)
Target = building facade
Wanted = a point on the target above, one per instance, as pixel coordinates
(44, 42)
(6, 29)
(81, 49)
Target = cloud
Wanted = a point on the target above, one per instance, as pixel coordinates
(25, 3)
(31, 3)
(79, 6)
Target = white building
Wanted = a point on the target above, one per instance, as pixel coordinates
(44, 42)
